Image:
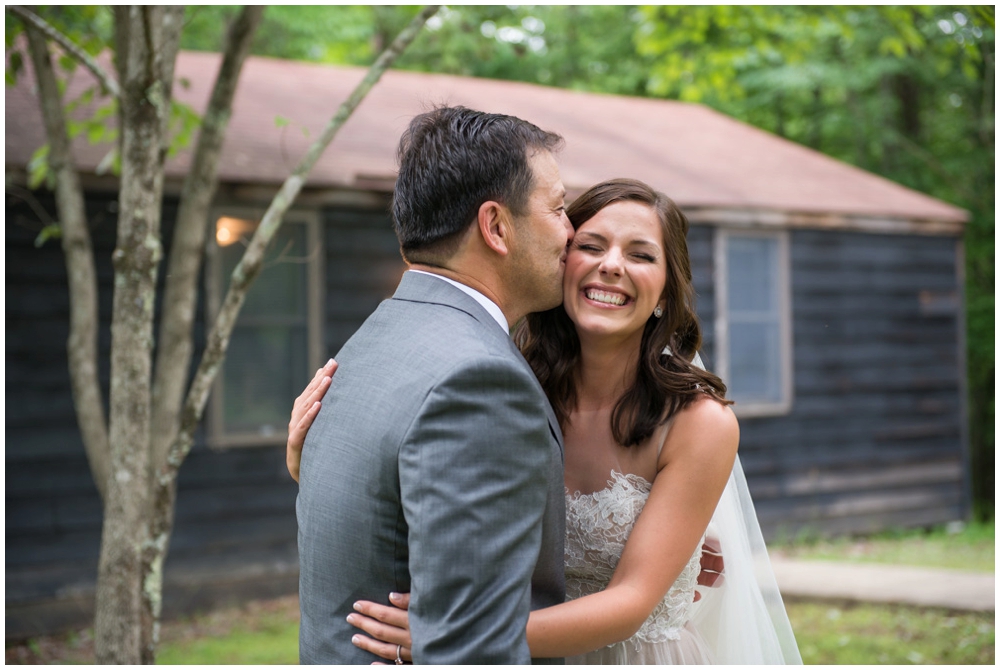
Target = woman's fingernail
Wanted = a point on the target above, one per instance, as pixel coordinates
(328, 363)
(356, 639)
(357, 606)
(350, 618)
(394, 596)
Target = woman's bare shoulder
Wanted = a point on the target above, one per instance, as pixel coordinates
(706, 428)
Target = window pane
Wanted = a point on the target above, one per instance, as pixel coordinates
(755, 362)
(267, 361)
(754, 317)
(265, 368)
(752, 274)
(280, 288)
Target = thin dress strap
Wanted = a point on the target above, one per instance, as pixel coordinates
(665, 428)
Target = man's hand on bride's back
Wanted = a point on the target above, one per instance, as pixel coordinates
(304, 411)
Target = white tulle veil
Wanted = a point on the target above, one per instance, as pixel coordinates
(743, 621)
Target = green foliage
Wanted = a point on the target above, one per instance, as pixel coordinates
(90, 28)
(184, 121)
(38, 169)
(327, 34)
(92, 114)
(583, 47)
(53, 231)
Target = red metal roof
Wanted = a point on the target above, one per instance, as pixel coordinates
(701, 158)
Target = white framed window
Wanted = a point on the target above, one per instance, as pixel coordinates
(276, 344)
(753, 320)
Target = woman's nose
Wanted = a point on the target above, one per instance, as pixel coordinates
(611, 264)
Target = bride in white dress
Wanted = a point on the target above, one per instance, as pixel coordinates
(650, 462)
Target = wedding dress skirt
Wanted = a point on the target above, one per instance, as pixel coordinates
(741, 622)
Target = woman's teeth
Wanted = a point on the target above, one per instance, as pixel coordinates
(605, 297)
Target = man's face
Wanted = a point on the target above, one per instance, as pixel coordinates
(543, 231)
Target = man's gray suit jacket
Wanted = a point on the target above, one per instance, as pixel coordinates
(435, 466)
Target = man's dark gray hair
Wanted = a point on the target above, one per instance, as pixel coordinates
(451, 161)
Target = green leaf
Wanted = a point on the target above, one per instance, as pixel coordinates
(95, 133)
(67, 63)
(53, 231)
(38, 167)
(280, 122)
(893, 45)
(16, 64)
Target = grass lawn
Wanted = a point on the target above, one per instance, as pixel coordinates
(259, 633)
(971, 547)
(889, 634)
(266, 632)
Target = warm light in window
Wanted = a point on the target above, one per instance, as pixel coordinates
(229, 230)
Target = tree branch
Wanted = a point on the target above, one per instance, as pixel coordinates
(29, 17)
(174, 346)
(81, 346)
(249, 266)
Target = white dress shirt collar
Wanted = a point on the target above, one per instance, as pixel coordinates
(491, 307)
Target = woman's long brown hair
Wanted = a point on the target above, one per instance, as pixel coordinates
(664, 384)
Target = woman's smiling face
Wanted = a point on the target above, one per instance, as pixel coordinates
(615, 270)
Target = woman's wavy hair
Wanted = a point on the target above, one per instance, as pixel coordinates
(664, 383)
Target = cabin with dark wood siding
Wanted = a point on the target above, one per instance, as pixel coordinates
(830, 301)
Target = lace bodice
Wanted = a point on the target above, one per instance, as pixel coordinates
(597, 526)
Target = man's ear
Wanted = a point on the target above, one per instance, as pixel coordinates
(495, 226)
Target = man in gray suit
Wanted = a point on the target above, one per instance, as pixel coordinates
(435, 463)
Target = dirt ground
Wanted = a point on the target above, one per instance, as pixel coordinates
(78, 646)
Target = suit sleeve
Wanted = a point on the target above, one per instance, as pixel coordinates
(473, 484)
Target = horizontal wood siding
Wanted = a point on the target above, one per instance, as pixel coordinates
(363, 267)
(235, 508)
(874, 436)
(700, 251)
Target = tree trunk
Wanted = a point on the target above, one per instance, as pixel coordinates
(81, 347)
(816, 124)
(907, 92)
(120, 625)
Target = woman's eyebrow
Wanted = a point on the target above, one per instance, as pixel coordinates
(596, 236)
